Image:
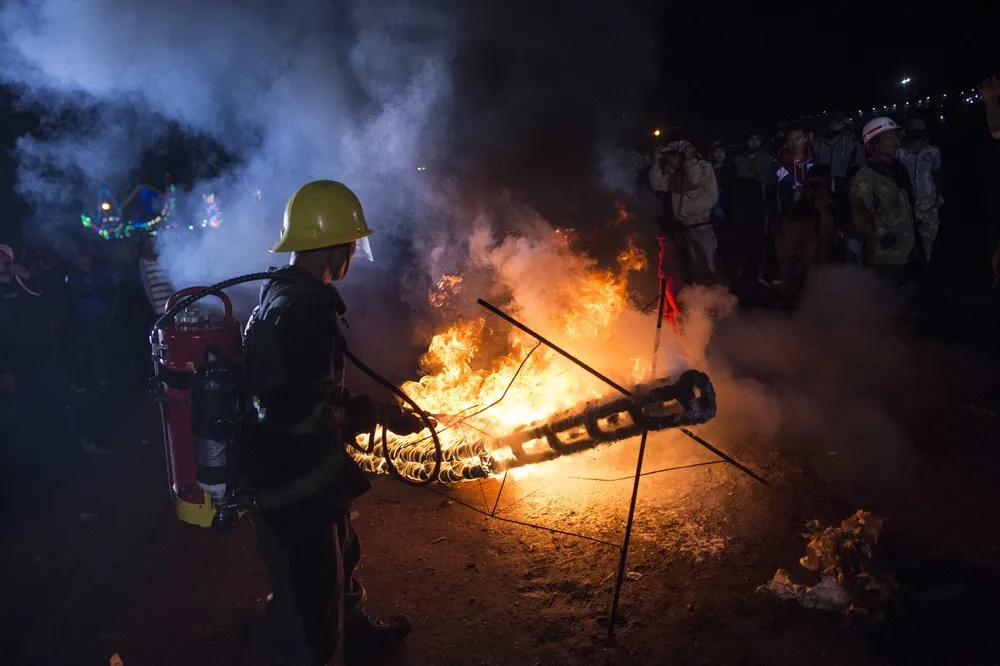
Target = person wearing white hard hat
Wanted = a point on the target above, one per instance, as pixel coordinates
(882, 204)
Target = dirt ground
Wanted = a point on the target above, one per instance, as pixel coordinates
(104, 567)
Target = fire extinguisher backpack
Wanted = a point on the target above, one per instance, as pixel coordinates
(204, 385)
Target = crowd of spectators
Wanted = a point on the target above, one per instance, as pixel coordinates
(74, 353)
(764, 213)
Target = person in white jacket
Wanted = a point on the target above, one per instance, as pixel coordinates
(693, 190)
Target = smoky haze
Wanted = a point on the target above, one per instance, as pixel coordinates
(487, 98)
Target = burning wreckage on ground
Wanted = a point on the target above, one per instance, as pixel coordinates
(474, 453)
(528, 406)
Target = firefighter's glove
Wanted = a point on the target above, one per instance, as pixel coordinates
(356, 414)
(887, 240)
(400, 421)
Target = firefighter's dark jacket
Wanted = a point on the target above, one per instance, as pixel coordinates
(295, 374)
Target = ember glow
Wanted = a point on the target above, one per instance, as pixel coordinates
(447, 287)
(565, 294)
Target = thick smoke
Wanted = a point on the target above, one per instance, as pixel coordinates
(499, 104)
(360, 92)
(842, 385)
(295, 93)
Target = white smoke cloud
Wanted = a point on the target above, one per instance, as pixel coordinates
(362, 92)
(298, 92)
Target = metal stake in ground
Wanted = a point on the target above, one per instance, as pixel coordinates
(642, 442)
(638, 471)
(620, 578)
(660, 310)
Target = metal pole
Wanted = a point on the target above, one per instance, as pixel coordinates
(628, 537)
(620, 579)
(556, 348)
(722, 455)
(659, 324)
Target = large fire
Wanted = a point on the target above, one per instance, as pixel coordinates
(479, 396)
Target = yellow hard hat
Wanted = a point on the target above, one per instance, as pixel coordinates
(321, 214)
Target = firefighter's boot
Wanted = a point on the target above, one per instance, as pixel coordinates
(367, 635)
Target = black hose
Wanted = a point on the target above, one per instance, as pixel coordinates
(438, 453)
(428, 422)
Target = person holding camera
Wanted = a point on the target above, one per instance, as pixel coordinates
(690, 185)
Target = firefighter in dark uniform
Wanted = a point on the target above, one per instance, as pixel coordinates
(295, 372)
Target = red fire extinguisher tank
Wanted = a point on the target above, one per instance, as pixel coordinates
(178, 349)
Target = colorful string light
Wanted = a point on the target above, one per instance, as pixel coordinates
(108, 222)
(213, 214)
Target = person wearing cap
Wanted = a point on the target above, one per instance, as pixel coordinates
(882, 204)
(693, 193)
(295, 377)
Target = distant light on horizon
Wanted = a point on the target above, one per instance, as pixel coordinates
(656, 132)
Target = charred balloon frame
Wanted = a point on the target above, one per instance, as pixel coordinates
(658, 405)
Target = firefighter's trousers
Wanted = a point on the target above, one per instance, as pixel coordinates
(310, 562)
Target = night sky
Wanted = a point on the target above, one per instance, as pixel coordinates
(803, 58)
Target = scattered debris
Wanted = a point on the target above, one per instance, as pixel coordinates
(439, 540)
(446, 502)
(116, 660)
(844, 558)
(633, 575)
(827, 595)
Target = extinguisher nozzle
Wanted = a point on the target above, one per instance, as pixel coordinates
(225, 518)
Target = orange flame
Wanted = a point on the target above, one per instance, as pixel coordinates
(622, 215)
(633, 259)
(580, 305)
